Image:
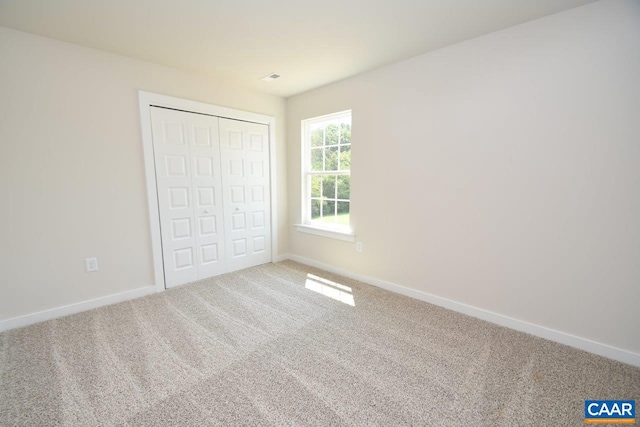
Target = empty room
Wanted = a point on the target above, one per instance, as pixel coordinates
(339, 213)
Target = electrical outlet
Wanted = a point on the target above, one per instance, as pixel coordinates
(359, 246)
(91, 264)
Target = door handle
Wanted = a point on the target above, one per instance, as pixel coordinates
(206, 211)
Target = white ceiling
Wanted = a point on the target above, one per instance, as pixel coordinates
(309, 43)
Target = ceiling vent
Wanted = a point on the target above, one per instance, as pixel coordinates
(270, 77)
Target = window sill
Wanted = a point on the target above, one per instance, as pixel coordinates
(347, 236)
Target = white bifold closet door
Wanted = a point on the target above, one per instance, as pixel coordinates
(244, 149)
(212, 179)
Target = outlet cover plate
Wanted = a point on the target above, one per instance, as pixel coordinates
(91, 264)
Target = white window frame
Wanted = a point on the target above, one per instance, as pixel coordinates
(335, 232)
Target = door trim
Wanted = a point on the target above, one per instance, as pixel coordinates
(149, 99)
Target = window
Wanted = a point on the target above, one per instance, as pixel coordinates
(326, 167)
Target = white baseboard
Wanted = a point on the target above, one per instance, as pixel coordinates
(281, 257)
(41, 316)
(600, 349)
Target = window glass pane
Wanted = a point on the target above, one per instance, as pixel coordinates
(331, 133)
(316, 135)
(316, 159)
(343, 214)
(315, 209)
(331, 159)
(329, 211)
(345, 131)
(345, 158)
(344, 187)
(329, 187)
(316, 186)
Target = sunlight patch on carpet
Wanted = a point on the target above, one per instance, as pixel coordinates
(330, 289)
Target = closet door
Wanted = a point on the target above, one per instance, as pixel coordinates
(244, 150)
(187, 161)
(207, 190)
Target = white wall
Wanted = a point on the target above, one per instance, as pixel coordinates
(502, 172)
(72, 180)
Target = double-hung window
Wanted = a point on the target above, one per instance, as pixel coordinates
(326, 166)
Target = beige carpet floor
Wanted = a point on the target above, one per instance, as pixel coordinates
(263, 346)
